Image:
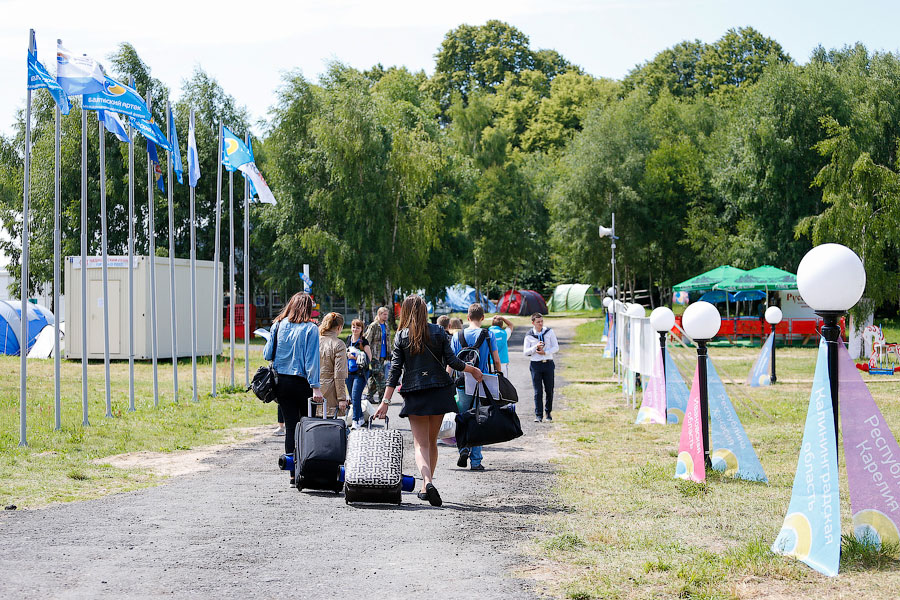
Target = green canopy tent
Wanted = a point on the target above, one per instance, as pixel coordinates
(574, 296)
(708, 280)
(765, 277)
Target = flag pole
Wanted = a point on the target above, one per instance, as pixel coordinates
(23, 285)
(231, 284)
(131, 407)
(247, 295)
(193, 274)
(84, 238)
(171, 187)
(217, 287)
(151, 217)
(104, 263)
(57, 234)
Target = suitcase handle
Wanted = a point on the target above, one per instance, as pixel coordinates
(387, 422)
(312, 404)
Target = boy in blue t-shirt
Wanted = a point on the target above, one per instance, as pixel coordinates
(486, 352)
(502, 336)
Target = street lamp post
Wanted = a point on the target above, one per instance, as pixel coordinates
(773, 318)
(831, 279)
(663, 320)
(701, 321)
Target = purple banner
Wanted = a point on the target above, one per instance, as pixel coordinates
(872, 456)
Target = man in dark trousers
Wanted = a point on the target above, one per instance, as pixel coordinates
(540, 346)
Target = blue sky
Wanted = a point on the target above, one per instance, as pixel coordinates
(249, 50)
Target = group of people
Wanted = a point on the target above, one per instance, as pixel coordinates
(312, 361)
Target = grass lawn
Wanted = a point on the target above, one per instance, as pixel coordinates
(64, 465)
(631, 530)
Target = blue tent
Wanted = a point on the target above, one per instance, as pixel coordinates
(460, 297)
(745, 295)
(716, 296)
(10, 324)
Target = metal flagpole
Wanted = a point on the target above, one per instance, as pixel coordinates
(84, 238)
(23, 285)
(104, 263)
(231, 284)
(217, 287)
(57, 234)
(247, 294)
(151, 217)
(193, 276)
(131, 407)
(172, 317)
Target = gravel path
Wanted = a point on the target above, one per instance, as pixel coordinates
(238, 531)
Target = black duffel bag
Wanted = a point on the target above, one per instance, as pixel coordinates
(487, 422)
(265, 381)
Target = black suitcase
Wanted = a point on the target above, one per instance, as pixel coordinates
(320, 447)
(373, 471)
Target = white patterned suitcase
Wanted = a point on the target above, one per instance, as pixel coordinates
(373, 469)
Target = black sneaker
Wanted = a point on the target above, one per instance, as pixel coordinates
(463, 459)
(549, 418)
(477, 467)
(538, 419)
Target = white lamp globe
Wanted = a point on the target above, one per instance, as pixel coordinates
(773, 315)
(662, 319)
(831, 278)
(701, 321)
(606, 302)
(636, 311)
(611, 292)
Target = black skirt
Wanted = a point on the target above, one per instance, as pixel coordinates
(431, 401)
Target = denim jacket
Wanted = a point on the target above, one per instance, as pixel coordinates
(425, 370)
(298, 350)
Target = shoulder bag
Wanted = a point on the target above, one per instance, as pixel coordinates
(265, 381)
(487, 422)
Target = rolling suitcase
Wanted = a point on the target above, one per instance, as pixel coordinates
(319, 450)
(373, 471)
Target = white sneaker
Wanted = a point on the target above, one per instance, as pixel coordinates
(279, 430)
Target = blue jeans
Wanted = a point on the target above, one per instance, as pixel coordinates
(465, 403)
(356, 383)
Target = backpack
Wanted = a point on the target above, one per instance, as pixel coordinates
(469, 354)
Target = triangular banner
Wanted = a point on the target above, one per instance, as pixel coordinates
(760, 374)
(676, 392)
(812, 527)
(653, 406)
(610, 336)
(732, 452)
(872, 457)
(691, 464)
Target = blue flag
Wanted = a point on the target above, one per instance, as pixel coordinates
(812, 527)
(118, 98)
(157, 170)
(78, 75)
(234, 152)
(176, 152)
(676, 392)
(733, 454)
(760, 373)
(113, 124)
(193, 157)
(151, 132)
(38, 78)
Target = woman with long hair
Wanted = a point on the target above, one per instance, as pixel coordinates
(359, 355)
(296, 360)
(333, 363)
(421, 355)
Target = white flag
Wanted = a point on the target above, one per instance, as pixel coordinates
(78, 75)
(259, 184)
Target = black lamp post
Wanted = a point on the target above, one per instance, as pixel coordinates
(701, 322)
(831, 279)
(773, 318)
(662, 319)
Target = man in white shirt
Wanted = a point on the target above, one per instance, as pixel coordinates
(541, 345)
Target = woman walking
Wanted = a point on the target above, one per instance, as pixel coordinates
(333, 364)
(421, 354)
(359, 355)
(296, 360)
